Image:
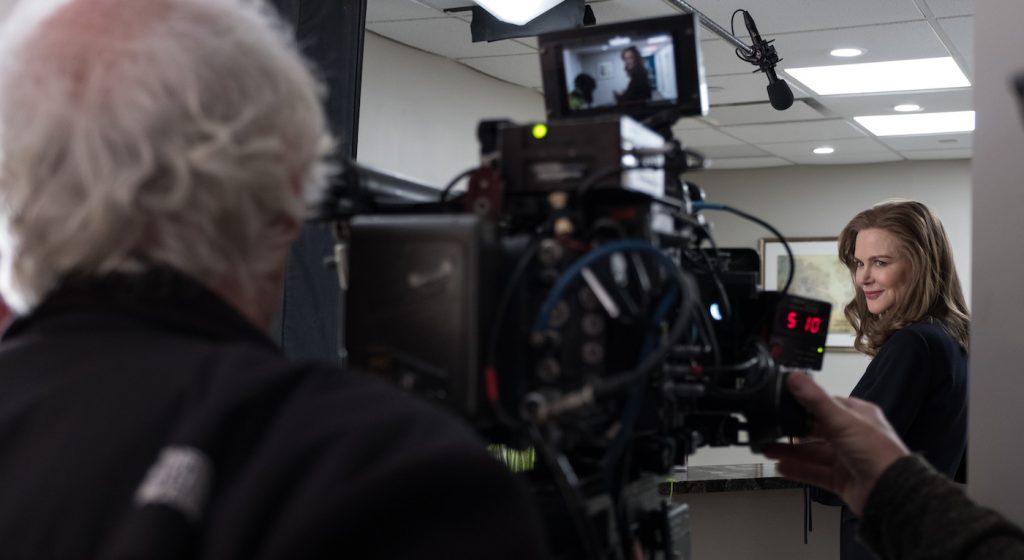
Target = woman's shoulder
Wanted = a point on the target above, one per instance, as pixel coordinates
(927, 334)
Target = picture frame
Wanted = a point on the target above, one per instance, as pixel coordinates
(605, 70)
(819, 274)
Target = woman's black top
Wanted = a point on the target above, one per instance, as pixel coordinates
(919, 379)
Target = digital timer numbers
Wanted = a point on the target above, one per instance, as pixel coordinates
(811, 323)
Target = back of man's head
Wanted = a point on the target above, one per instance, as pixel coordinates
(140, 133)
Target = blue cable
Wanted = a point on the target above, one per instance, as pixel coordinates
(566, 280)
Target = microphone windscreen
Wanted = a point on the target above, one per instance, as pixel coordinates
(780, 95)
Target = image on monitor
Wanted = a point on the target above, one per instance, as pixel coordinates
(620, 71)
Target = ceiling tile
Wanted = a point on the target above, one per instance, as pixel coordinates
(747, 163)
(448, 37)
(946, 8)
(838, 159)
(608, 11)
(961, 34)
(761, 113)
(895, 41)
(780, 16)
(720, 58)
(791, 150)
(743, 151)
(391, 10)
(882, 104)
(938, 154)
(898, 41)
(929, 142)
(794, 132)
(690, 123)
(521, 69)
(699, 139)
(742, 88)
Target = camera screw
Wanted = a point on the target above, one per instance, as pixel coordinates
(550, 252)
(592, 353)
(548, 370)
(592, 324)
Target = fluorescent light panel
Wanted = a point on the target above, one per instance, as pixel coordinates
(875, 77)
(920, 123)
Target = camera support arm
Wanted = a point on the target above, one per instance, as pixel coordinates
(711, 25)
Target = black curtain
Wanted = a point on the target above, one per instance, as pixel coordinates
(330, 33)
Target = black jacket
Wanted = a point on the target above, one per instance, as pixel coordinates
(306, 460)
(914, 513)
(919, 380)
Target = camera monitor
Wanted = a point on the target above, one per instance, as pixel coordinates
(636, 68)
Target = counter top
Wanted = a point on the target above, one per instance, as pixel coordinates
(724, 478)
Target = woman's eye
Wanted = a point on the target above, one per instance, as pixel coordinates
(881, 263)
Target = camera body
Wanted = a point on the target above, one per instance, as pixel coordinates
(569, 304)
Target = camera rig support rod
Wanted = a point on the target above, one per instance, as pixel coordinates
(711, 25)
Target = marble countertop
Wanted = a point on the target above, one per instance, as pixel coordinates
(724, 478)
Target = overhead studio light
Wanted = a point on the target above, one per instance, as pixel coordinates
(517, 12)
(920, 123)
(876, 77)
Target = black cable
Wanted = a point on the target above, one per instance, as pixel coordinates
(574, 502)
(752, 57)
(732, 22)
(451, 184)
(616, 383)
(516, 276)
(769, 227)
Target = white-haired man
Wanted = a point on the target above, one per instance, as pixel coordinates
(155, 155)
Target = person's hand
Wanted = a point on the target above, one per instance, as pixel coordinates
(856, 444)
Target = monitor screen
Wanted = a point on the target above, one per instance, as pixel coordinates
(634, 68)
(621, 71)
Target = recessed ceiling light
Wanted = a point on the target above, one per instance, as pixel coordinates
(920, 123)
(907, 108)
(873, 77)
(846, 53)
(824, 150)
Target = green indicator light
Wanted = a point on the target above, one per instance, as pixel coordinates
(821, 350)
(540, 131)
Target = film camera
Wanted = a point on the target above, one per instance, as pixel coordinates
(571, 301)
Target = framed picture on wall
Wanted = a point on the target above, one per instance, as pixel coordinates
(605, 70)
(818, 275)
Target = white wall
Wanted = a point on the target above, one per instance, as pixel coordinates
(818, 201)
(419, 111)
(996, 450)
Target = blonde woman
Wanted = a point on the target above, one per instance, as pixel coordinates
(909, 314)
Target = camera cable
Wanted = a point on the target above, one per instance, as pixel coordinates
(762, 223)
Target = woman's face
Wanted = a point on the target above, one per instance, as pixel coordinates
(629, 58)
(881, 271)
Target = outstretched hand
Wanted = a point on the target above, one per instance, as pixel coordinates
(856, 444)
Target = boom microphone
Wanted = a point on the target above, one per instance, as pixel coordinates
(766, 58)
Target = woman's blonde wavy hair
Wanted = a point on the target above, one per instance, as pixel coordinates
(932, 289)
(140, 133)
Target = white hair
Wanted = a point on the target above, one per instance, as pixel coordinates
(141, 133)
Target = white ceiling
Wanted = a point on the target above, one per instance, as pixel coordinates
(742, 130)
